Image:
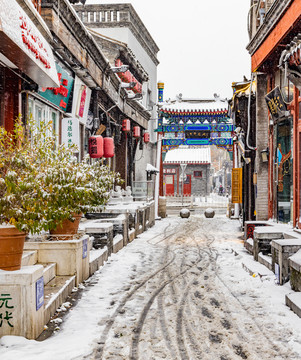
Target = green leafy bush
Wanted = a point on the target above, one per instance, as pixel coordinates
(42, 184)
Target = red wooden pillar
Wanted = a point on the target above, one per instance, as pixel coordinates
(161, 169)
(296, 159)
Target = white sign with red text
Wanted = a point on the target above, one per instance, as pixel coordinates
(24, 45)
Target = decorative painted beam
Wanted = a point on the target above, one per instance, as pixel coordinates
(215, 141)
(181, 127)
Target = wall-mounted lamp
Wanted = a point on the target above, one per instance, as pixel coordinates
(135, 96)
(120, 69)
(265, 155)
(128, 85)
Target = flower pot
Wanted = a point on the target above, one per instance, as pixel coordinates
(67, 227)
(11, 247)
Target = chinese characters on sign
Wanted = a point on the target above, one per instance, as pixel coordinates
(5, 310)
(169, 171)
(276, 103)
(33, 42)
(70, 131)
(237, 186)
(59, 96)
(197, 134)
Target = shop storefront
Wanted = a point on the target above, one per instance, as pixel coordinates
(24, 48)
(51, 104)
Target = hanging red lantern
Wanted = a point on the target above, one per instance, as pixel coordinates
(96, 146)
(108, 147)
(126, 125)
(146, 137)
(136, 131)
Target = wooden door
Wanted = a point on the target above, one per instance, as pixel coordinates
(187, 186)
(170, 186)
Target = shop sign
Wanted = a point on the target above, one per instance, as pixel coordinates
(39, 292)
(70, 131)
(59, 96)
(85, 248)
(276, 104)
(197, 134)
(81, 100)
(24, 45)
(237, 186)
(169, 171)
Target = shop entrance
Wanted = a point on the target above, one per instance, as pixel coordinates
(284, 170)
(187, 186)
(170, 186)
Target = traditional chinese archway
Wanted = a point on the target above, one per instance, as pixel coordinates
(192, 122)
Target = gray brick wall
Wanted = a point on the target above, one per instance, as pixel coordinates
(262, 128)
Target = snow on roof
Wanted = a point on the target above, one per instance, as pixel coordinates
(193, 104)
(150, 167)
(187, 155)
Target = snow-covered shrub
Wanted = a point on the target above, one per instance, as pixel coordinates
(42, 184)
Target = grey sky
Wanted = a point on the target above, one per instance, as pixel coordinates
(202, 43)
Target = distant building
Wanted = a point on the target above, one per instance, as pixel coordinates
(197, 172)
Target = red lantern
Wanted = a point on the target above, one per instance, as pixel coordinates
(136, 131)
(146, 137)
(126, 125)
(96, 146)
(108, 147)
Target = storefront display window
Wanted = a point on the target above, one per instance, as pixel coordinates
(42, 112)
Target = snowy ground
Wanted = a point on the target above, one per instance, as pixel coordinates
(178, 291)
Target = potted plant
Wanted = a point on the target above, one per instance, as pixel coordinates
(22, 209)
(42, 186)
(70, 188)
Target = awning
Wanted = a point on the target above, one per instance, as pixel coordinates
(151, 168)
(24, 45)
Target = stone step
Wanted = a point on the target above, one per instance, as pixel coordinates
(56, 293)
(265, 260)
(97, 259)
(49, 272)
(293, 301)
(29, 258)
(117, 243)
(132, 235)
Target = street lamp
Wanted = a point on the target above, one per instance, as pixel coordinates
(265, 154)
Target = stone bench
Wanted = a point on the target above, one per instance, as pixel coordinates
(249, 228)
(262, 239)
(120, 223)
(295, 270)
(102, 233)
(281, 251)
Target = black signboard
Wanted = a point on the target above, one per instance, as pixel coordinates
(197, 134)
(276, 104)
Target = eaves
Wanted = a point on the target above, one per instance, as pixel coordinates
(272, 17)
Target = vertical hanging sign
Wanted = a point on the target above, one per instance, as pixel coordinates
(237, 186)
(70, 131)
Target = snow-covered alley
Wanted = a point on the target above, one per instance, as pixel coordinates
(178, 291)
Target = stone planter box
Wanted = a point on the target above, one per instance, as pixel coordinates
(71, 256)
(281, 251)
